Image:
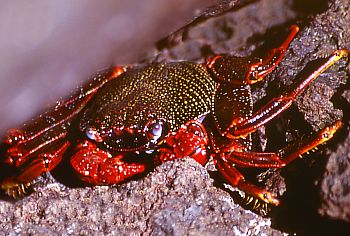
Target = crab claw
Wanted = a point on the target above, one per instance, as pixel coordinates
(100, 167)
(189, 141)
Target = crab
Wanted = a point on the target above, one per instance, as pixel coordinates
(128, 119)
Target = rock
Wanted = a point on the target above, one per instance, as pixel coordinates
(335, 185)
(177, 198)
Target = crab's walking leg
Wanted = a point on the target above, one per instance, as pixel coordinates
(235, 178)
(242, 127)
(52, 125)
(284, 156)
(233, 101)
(39, 146)
(97, 167)
(263, 67)
(50, 157)
(228, 158)
(252, 68)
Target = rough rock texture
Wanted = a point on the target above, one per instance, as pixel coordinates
(178, 198)
(336, 183)
(325, 33)
(236, 32)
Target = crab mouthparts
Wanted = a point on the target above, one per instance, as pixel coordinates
(125, 139)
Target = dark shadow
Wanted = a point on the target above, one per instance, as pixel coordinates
(310, 7)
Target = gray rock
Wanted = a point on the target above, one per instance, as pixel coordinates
(335, 185)
(177, 198)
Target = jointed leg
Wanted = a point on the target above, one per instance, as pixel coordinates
(262, 68)
(285, 155)
(281, 103)
(228, 158)
(16, 184)
(40, 145)
(235, 178)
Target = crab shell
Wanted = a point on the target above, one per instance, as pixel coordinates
(123, 111)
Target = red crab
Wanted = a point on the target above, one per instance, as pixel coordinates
(159, 112)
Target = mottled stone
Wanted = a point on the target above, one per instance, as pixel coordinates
(177, 198)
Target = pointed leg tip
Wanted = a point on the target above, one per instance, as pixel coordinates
(17, 190)
(294, 28)
(341, 53)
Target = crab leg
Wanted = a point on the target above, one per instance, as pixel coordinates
(229, 158)
(277, 105)
(285, 155)
(253, 68)
(52, 125)
(31, 169)
(233, 101)
(40, 145)
(260, 69)
(235, 178)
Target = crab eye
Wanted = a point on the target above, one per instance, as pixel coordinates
(92, 134)
(156, 130)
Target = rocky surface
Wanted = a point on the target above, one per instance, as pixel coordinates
(179, 198)
(335, 185)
